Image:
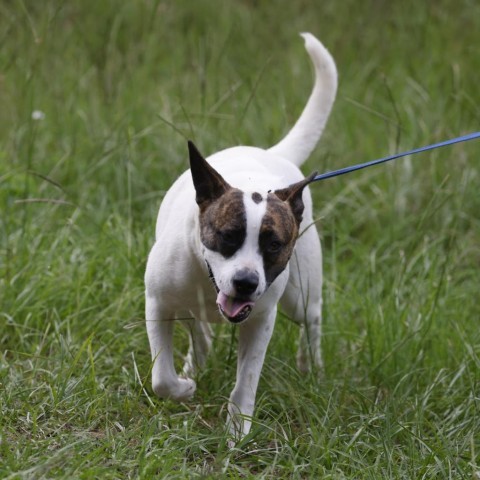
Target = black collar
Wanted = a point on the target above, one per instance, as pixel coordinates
(212, 277)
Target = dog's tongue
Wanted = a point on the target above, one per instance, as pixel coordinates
(232, 306)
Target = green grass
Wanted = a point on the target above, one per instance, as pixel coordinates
(121, 85)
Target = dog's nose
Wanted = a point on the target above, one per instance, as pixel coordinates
(245, 282)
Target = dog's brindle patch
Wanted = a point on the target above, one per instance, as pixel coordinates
(223, 223)
(278, 233)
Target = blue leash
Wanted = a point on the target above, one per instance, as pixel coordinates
(342, 171)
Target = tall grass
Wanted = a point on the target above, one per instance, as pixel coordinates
(120, 86)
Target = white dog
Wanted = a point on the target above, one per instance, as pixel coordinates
(232, 241)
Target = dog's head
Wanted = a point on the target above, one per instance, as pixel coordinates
(247, 238)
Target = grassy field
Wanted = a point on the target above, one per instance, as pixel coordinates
(97, 99)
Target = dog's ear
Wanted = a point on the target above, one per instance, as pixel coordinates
(293, 196)
(209, 184)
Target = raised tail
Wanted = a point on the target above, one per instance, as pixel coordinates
(303, 137)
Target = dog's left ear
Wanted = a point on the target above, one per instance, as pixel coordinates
(209, 184)
(293, 196)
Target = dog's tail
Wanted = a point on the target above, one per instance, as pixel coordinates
(302, 138)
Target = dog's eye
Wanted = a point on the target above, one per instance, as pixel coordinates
(229, 236)
(275, 246)
(270, 243)
(228, 241)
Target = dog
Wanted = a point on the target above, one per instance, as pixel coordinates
(234, 238)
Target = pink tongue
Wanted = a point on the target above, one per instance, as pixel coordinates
(231, 306)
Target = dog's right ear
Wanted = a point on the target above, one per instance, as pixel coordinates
(293, 196)
(209, 184)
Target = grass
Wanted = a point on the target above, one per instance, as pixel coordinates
(121, 85)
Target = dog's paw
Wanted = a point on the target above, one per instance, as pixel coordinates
(238, 423)
(180, 390)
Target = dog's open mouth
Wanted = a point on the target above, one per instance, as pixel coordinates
(236, 310)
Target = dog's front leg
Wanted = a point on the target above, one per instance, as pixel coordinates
(253, 341)
(165, 381)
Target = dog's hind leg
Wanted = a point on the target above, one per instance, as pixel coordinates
(302, 300)
(165, 381)
(200, 343)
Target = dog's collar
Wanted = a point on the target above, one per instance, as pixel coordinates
(212, 277)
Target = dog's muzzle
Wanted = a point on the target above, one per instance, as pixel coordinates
(236, 309)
